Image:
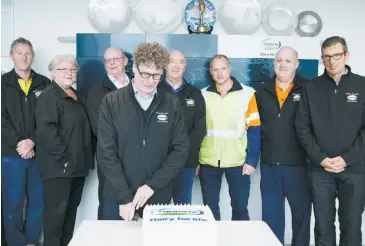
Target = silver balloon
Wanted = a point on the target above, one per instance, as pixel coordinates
(309, 24)
(279, 20)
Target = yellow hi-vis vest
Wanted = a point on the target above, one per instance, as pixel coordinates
(226, 139)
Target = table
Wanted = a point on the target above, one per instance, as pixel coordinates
(117, 233)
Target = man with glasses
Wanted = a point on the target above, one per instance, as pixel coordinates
(142, 140)
(20, 178)
(331, 128)
(192, 102)
(115, 62)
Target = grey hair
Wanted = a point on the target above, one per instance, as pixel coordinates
(62, 58)
(121, 50)
(116, 48)
(21, 41)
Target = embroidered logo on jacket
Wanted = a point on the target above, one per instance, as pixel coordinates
(296, 97)
(162, 117)
(37, 93)
(190, 102)
(352, 97)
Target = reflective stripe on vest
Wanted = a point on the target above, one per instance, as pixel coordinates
(225, 133)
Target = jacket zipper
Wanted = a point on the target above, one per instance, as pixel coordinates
(26, 115)
(144, 133)
(219, 152)
(31, 89)
(279, 114)
(145, 126)
(334, 121)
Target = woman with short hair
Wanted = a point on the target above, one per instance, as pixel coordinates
(63, 152)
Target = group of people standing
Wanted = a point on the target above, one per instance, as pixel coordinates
(155, 132)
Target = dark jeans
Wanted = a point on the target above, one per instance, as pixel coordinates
(62, 197)
(278, 182)
(182, 186)
(110, 210)
(20, 181)
(3, 241)
(239, 190)
(349, 188)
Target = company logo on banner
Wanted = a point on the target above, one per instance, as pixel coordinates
(269, 47)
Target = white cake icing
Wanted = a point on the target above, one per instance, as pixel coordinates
(177, 213)
(179, 225)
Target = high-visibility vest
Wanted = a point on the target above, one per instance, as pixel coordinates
(225, 143)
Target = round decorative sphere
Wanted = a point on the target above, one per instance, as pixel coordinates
(110, 16)
(240, 16)
(162, 16)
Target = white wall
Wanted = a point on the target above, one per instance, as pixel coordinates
(42, 21)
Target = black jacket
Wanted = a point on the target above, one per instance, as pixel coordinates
(280, 144)
(63, 133)
(94, 98)
(331, 121)
(17, 110)
(132, 152)
(193, 104)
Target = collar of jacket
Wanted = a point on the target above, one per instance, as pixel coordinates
(14, 78)
(131, 92)
(108, 84)
(169, 88)
(235, 87)
(184, 90)
(347, 74)
(298, 82)
(60, 92)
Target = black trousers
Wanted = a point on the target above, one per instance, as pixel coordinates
(100, 192)
(349, 188)
(62, 196)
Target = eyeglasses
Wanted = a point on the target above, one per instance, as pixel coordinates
(336, 57)
(114, 59)
(145, 75)
(67, 70)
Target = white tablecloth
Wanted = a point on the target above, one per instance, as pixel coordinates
(117, 233)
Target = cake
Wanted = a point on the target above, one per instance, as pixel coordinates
(178, 225)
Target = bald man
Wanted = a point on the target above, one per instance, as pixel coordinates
(232, 144)
(115, 62)
(192, 102)
(283, 161)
